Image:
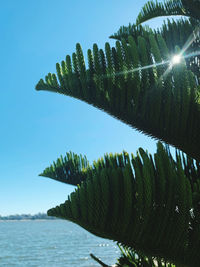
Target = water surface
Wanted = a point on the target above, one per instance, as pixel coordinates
(52, 243)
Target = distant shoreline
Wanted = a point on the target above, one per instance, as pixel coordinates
(27, 217)
(29, 220)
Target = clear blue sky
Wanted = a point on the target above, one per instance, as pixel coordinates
(37, 127)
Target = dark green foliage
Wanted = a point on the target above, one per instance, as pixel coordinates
(149, 204)
(139, 201)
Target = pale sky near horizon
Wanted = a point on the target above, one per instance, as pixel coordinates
(37, 127)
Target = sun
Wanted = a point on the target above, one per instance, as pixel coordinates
(176, 59)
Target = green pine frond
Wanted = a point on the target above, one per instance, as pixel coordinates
(153, 9)
(139, 201)
(70, 169)
(127, 83)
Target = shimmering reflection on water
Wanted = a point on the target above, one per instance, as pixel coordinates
(51, 243)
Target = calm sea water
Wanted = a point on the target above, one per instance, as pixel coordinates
(52, 243)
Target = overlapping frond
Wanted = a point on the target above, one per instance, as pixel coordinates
(132, 29)
(134, 83)
(132, 259)
(193, 8)
(179, 32)
(70, 169)
(143, 202)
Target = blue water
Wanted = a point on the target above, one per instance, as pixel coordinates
(52, 243)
